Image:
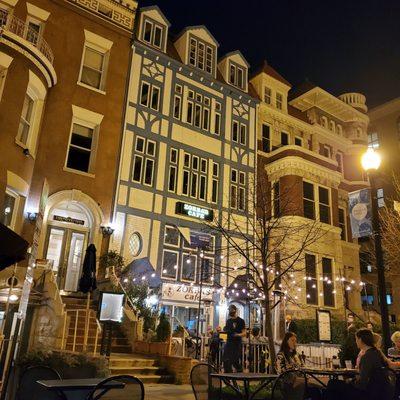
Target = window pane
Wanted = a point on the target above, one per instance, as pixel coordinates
(311, 282)
(171, 236)
(328, 285)
(82, 136)
(276, 199)
(188, 267)
(192, 54)
(25, 121)
(309, 211)
(217, 128)
(193, 190)
(78, 159)
(233, 196)
(155, 98)
(189, 117)
(185, 183)
(144, 97)
(324, 214)
(157, 36)
(235, 131)
(170, 264)
(243, 134)
(140, 144)
(147, 31)
(93, 59)
(172, 179)
(137, 168)
(214, 196)
(308, 190)
(240, 77)
(241, 199)
(284, 139)
(206, 269)
(177, 107)
(206, 119)
(197, 116)
(148, 177)
(202, 194)
(151, 148)
(232, 74)
(323, 195)
(8, 210)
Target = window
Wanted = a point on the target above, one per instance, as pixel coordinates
(238, 190)
(144, 161)
(198, 110)
(243, 134)
(93, 67)
(177, 107)
(173, 170)
(326, 151)
(215, 179)
(4, 13)
(188, 267)
(328, 282)
(380, 197)
(171, 236)
(33, 30)
(276, 199)
(198, 52)
(152, 33)
(324, 122)
(298, 141)
(324, 205)
(170, 264)
(237, 76)
(311, 279)
(194, 182)
(235, 131)
(342, 223)
(284, 139)
(279, 101)
(217, 123)
(308, 200)
(80, 147)
(10, 208)
(26, 120)
(150, 96)
(332, 126)
(339, 160)
(367, 295)
(267, 95)
(266, 140)
(389, 294)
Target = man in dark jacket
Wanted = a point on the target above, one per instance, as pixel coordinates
(290, 325)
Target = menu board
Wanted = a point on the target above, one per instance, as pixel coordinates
(111, 307)
(324, 325)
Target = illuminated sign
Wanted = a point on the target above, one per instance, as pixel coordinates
(69, 220)
(194, 211)
(182, 292)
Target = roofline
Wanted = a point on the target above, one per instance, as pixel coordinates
(231, 53)
(188, 28)
(155, 7)
(385, 108)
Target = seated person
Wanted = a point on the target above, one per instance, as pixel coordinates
(366, 386)
(394, 352)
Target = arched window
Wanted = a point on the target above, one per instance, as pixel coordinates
(324, 122)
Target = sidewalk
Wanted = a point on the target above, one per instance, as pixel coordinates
(166, 392)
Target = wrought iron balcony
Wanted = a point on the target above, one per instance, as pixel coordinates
(14, 25)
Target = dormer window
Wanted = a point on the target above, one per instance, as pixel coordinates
(152, 33)
(237, 76)
(279, 101)
(267, 95)
(201, 55)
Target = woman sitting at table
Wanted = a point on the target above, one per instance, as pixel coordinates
(394, 352)
(365, 386)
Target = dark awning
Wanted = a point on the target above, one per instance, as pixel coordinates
(143, 272)
(13, 248)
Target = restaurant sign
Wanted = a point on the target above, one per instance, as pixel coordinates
(69, 220)
(182, 292)
(194, 211)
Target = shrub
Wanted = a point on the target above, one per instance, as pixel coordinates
(163, 330)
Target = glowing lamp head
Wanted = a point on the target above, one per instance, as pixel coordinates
(371, 160)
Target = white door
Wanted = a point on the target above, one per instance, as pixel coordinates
(75, 260)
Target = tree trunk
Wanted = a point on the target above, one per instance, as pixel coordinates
(268, 329)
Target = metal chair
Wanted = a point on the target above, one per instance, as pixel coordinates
(29, 389)
(204, 387)
(131, 389)
(290, 385)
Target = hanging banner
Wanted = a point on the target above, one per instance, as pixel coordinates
(199, 239)
(360, 213)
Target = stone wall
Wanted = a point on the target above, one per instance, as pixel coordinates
(179, 367)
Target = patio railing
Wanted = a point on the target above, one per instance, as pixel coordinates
(22, 29)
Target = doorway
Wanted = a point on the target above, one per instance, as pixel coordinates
(65, 247)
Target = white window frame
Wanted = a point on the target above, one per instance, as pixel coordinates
(177, 246)
(14, 215)
(154, 25)
(207, 57)
(177, 264)
(373, 140)
(103, 46)
(90, 120)
(35, 21)
(235, 82)
(279, 102)
(267, 96)
(145, 157)
(326, 147)
(317, 202)
(345, 223)
(150, 95)
(301, 141)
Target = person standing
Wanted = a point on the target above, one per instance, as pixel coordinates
(235, 329)
(290, 325)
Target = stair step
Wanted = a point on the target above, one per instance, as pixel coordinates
(134, 362)
(137, 371)
(156, 378)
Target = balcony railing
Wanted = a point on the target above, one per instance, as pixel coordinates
(20, 28)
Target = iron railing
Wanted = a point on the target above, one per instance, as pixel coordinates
(22, 29)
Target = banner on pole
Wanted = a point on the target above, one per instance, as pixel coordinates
(360, 213)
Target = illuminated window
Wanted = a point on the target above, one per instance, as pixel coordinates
(373, 140)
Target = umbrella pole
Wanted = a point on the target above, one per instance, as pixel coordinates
(85, 339)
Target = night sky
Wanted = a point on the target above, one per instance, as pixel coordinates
(342, 46)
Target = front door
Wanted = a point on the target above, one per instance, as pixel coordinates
(65, 247)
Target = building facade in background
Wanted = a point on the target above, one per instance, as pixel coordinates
(188, 156)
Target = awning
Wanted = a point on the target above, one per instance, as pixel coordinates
(143, 272)
(13, 248)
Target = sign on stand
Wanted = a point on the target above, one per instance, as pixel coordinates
(324, 325)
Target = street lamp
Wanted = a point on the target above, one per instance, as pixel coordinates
(370, 162)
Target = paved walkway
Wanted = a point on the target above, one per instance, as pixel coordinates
(166, 392)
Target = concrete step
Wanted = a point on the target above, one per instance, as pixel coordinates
(137, 371)
(117, 362)
(156, 378)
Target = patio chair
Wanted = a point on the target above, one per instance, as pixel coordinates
(204, 387)
(133, 389)
(29, 389)
(290, 385)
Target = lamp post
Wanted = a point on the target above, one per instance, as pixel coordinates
(370, 162)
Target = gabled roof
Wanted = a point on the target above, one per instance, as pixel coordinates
(190, 28)
(232, 53)
(156, 8)
(267, 69)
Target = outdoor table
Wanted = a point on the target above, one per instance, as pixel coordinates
(333, 374)
(78, 389)
(231, 379)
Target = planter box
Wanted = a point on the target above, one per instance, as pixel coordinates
(156, 348)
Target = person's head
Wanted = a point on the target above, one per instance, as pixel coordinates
(370, 326)
(396, 339)
(218, 329)
(288, 318)
(232, 310)
(256, 331)
(364, 338)
(289, 343)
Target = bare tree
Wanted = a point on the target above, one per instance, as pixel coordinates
(268, 242)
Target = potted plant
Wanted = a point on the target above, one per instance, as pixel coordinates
(112, 264)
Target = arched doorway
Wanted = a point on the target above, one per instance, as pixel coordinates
(72, 221)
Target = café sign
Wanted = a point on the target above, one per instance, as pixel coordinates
(69, 220)
(182, 292)
(194, 211)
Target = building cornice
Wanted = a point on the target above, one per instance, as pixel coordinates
(385, 109)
